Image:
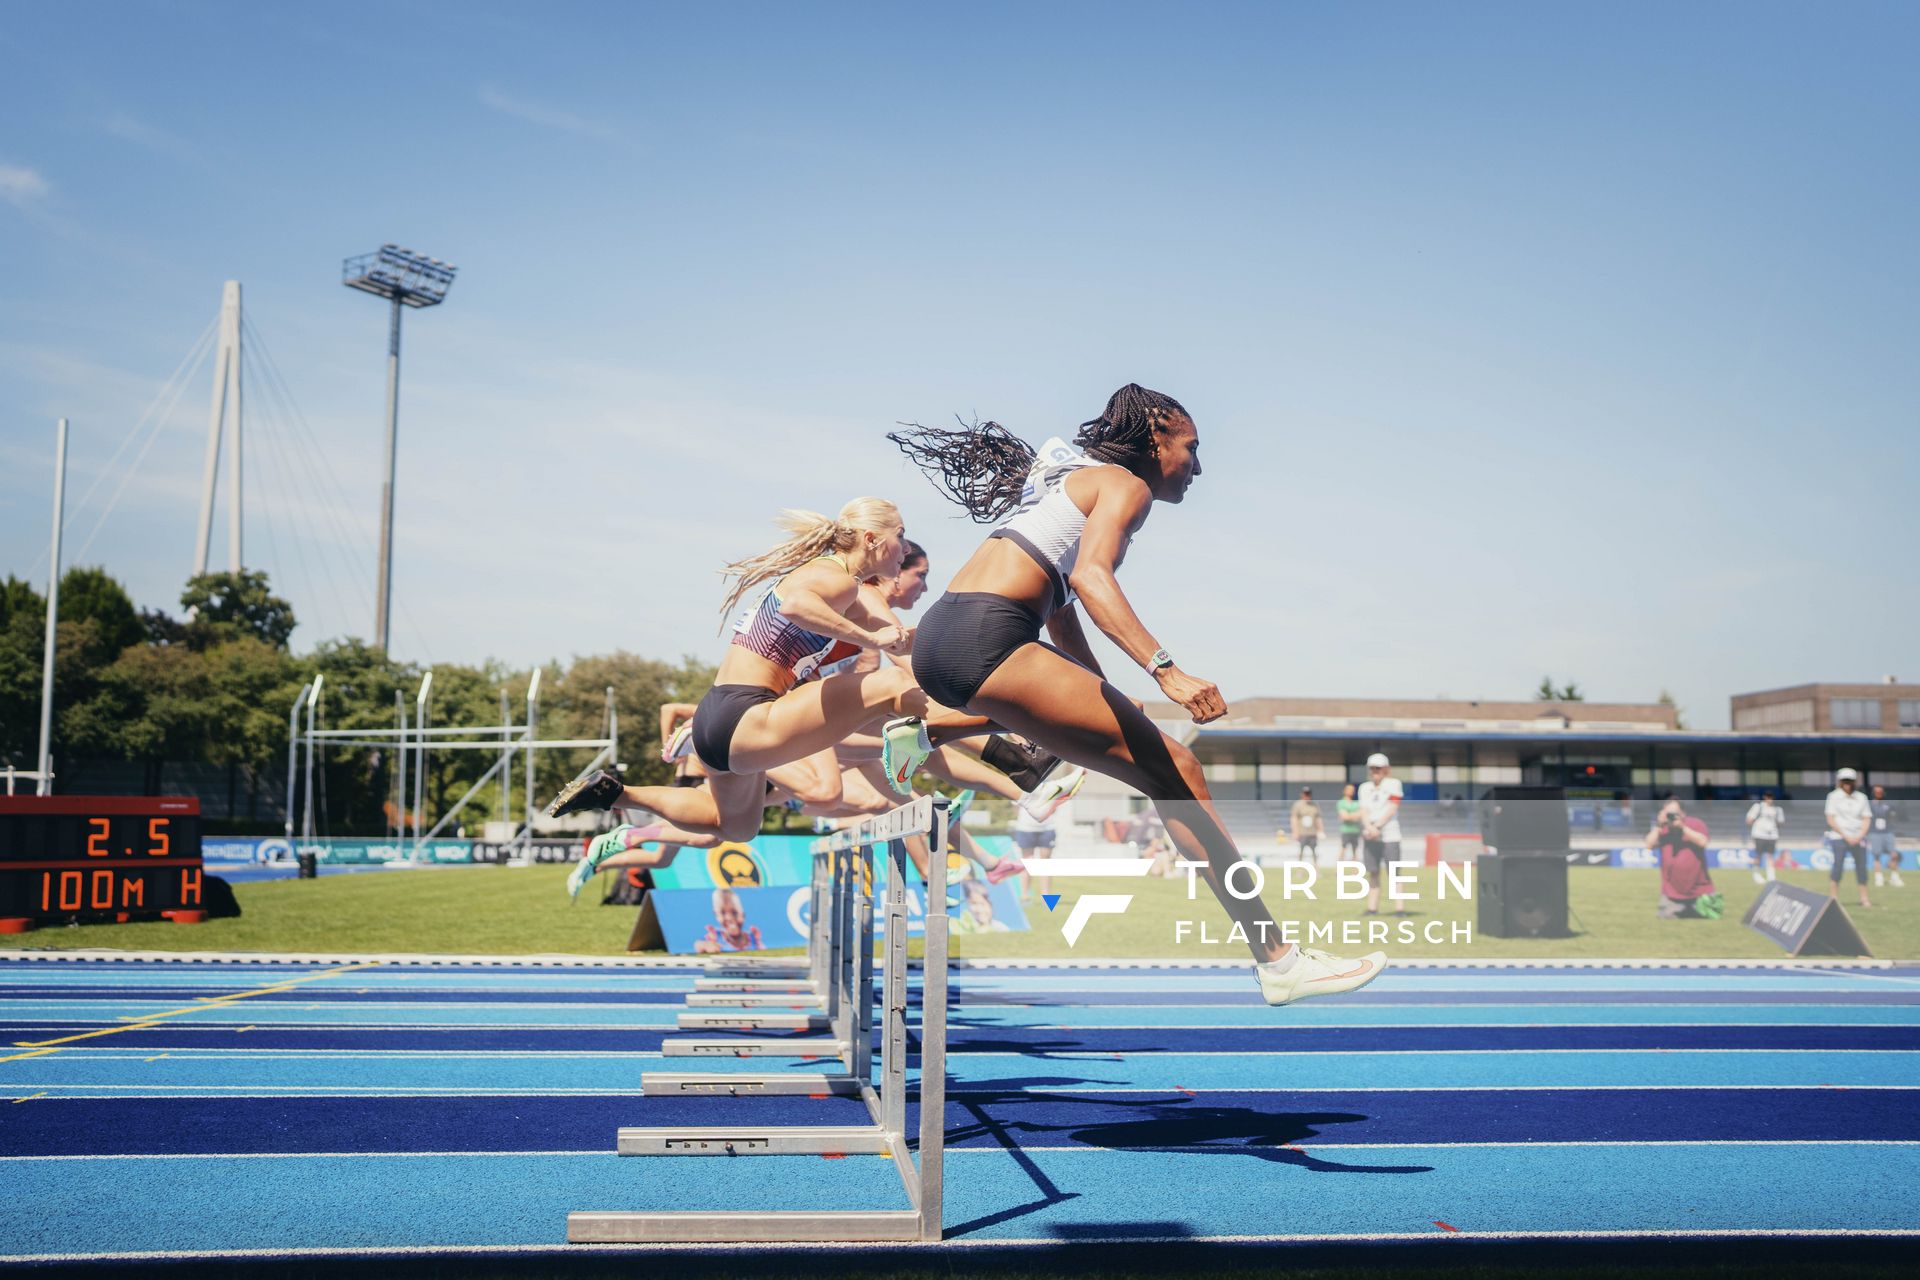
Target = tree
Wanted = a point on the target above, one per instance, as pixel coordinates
(225, 704)
(91, 595)
(22, 624)
(238, 604)
(97, 623)
(1666, 700)
(1547, 693)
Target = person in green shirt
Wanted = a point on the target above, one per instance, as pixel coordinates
(1349, 824)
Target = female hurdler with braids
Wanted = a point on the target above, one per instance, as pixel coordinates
(1065, 516)
(763, 711)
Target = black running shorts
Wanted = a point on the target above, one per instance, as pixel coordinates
(718, 715)
(964, 638)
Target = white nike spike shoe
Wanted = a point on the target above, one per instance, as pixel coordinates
(1315, 973)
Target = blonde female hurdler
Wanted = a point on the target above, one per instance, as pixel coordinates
(763, 710)
(1065, 515)
(854, 783)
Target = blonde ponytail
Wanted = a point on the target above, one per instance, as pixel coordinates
(810, 535)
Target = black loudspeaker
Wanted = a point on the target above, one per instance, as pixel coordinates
(1525, 820)
(1523, 895)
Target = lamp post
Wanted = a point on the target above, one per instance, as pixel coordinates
(405, 279)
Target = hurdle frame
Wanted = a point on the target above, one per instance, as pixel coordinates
(838, 977)
(739, 995)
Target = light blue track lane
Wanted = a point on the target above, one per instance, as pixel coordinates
(372, 1012)
(1060, 985)
(384, 1202)
(120, 1073)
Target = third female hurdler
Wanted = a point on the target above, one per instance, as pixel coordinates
(1065, 516)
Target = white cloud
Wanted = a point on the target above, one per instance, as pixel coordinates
(20, 187)
(547, 117)
(153, 138)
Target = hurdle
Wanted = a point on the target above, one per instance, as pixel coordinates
(838, 976)
(823, 995)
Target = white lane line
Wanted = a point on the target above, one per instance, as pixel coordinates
(996, 1149)
(988, 1027)
(1063, 1055)
(92, 1092)
(974, 1244)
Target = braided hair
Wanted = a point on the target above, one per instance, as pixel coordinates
(983, 467)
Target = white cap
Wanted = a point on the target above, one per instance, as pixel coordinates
(1846, 775)
(1376, 761)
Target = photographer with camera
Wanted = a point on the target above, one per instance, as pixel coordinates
(1686, 890)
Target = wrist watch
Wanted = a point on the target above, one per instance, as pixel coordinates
(1161, 658)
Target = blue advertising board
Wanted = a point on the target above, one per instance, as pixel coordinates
(741, 918)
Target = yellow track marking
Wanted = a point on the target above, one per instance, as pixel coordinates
(146, 1021)
(30, 1097)
(37, 1053)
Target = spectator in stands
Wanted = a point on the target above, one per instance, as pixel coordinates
(1850, 818)
(1881, 843)
(1349, 809)
(1686, 890)
(1379, 828)
(1763, 824)
(1305, 824)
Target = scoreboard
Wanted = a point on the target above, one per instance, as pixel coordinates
(98, 858)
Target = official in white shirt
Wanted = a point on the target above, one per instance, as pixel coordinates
(1763, 823)
(1379, 800)
(1850, 818)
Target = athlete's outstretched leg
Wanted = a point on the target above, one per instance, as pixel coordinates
(967, 770)
(1059, 704)
(814, 781)
(812, 717)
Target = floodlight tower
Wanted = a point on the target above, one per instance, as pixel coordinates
(406, 279)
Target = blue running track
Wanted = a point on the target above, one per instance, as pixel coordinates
(288, 1109)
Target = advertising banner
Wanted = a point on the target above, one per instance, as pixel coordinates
(723, 920)
(1804, 923)
(337, 850)
(1717, 857)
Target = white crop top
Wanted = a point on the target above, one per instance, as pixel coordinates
(1047, 525)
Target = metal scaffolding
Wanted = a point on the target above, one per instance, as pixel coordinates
(411, 743)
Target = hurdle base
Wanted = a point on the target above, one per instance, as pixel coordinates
(689, 1047)
(762, 986)
(754, 1140)
(776, 1227)
(809, 1084)
(752, 1000)
(750, 1020)
(765, 970)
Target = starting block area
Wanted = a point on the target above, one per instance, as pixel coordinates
(379, 1109)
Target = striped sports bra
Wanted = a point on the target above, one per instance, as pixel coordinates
(1047, 525)
(762, 629)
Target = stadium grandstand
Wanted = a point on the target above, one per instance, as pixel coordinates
(1613, 759)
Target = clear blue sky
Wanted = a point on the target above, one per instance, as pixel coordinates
(1522, 338)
